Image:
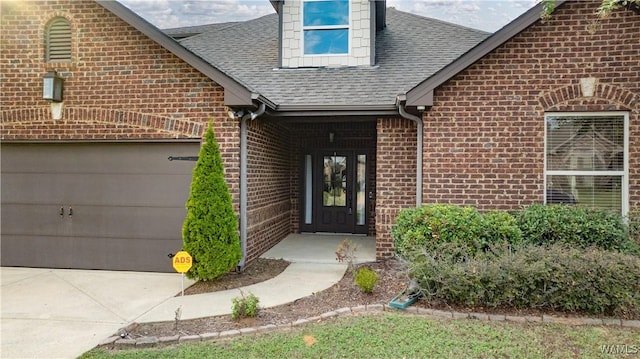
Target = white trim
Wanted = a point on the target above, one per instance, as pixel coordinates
(624, 174)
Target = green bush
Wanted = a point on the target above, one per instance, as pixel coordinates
(555, 277)
(366, 279)
(575, 226)
(210, 231)
(633, 218)
(501, 226)
(244, 307)
(431, 225)
(464, 230)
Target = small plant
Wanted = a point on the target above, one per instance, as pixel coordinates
(366, 279)
(347, 252)
(244, 307)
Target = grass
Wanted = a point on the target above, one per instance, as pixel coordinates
(400, 336)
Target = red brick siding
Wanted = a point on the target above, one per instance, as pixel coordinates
(268, 183)
(120, 85)
(484, 136)
(395, 177)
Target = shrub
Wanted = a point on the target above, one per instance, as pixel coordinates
(244, 307)
(366, 279)
(446, 227)
(633, 219)
(575, 226)
(431, 225)
(210, 231)
(500, 227)
(555, 277)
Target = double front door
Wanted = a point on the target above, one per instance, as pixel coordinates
(335, 192)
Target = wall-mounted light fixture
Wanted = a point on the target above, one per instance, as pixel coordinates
(52, 87)
(241, 114)
(332, 136)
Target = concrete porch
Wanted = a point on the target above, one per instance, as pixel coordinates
(321, 248)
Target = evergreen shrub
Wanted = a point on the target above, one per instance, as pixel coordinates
(555, 277)
(460, 229)
(366, 279)
(210, 230)
(575, 226)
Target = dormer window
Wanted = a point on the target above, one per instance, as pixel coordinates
(325, 24)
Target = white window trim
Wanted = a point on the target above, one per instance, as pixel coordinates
(348, 27)
(624, 173)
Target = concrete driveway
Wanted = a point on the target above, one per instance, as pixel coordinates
(57, 313)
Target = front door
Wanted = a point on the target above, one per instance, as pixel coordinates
(337, 192)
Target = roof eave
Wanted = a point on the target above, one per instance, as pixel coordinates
(235, 94)
(334, 111)
(422, 94)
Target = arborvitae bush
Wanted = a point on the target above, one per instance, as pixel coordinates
(210, 231)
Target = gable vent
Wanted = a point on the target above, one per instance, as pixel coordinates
(58, 39)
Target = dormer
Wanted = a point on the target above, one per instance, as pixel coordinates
(328, 33)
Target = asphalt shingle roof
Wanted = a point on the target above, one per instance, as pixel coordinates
(410, 49)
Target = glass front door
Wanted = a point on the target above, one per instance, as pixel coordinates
(334, 192)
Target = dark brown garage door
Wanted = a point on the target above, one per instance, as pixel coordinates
(94, 206)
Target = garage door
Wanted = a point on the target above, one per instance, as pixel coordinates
(94, 206)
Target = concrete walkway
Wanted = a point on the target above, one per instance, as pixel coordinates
(52, 313)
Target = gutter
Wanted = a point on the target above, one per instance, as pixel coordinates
(243, 179)
(401, 101)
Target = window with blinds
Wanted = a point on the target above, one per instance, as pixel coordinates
(586, 160)
(58, 40)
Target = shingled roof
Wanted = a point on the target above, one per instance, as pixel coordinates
(410, 49)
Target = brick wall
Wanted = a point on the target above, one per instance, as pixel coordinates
(395, 177)
(120, 85)
(268, 183)
(484, 136)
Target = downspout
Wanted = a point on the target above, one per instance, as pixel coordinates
(419, 153)
(243, 181)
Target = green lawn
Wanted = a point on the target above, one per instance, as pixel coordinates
(400, 336)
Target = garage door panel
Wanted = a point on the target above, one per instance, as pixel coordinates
(89, 253)
(97, 221)
(133, 222)
(128, 201)
(32, 219)
(107, 189)
(145, 158)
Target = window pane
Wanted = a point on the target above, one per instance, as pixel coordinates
(334, 184)
(308, 188)
(361, 189)
(335, 41)
(591, 191)
(326, 13)
(585, 144)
